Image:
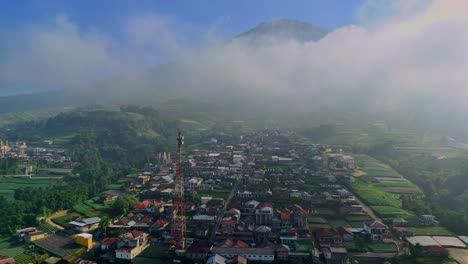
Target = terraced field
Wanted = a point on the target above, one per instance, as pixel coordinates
(390, 212)
(384, 177)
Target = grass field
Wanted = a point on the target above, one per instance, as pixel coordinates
(431, 231)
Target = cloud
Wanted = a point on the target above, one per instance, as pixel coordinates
(414, 56)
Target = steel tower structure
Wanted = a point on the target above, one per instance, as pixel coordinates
(178, 214)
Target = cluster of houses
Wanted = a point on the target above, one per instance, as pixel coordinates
(245, 201)
(12, 149)
(52, 157)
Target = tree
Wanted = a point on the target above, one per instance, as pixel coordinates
(123, 204)
(416, 250)
(360, 245)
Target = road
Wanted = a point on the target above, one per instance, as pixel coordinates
(231, 195)
(55, 215)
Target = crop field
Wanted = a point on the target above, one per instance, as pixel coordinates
(388, 180)
(391, 212)
(24, 259)
(8, 184)
(9, 194)
(375, 168)
(48, 228)
(394, 184)
(374, 196)
(383, 248)
(358, 218)
(431, 231)
(337, 223)
(10, 247)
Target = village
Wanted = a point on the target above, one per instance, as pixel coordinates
(268, 196)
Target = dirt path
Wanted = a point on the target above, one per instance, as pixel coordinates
(55, 215)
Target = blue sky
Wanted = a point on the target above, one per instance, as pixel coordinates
(229, 17)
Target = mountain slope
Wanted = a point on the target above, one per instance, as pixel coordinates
(284, 29)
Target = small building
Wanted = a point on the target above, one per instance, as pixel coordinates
(85, 225)
(428, 220)
(33, 236)
(84, 239)
(399, 222)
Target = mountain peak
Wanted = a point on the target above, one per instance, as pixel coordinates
(284, 29)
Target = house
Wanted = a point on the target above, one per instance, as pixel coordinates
(108, 198)
(266, 254)
(399, 222)
(249, 207)
(194, 183)
(202, 230)
(427, 220)
(109, 243)
(375, 229)
(335, 255)
(282, 253)
(345, 233)
(199, 250)
(131, 244)
(264, 216)
(403, 232)
(435, 251)
(216, 259)
(298, 215)
(327, 236)
(23, 232)
(85, 225)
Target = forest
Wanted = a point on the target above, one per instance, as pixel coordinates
(108, 144)
(443, 181)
